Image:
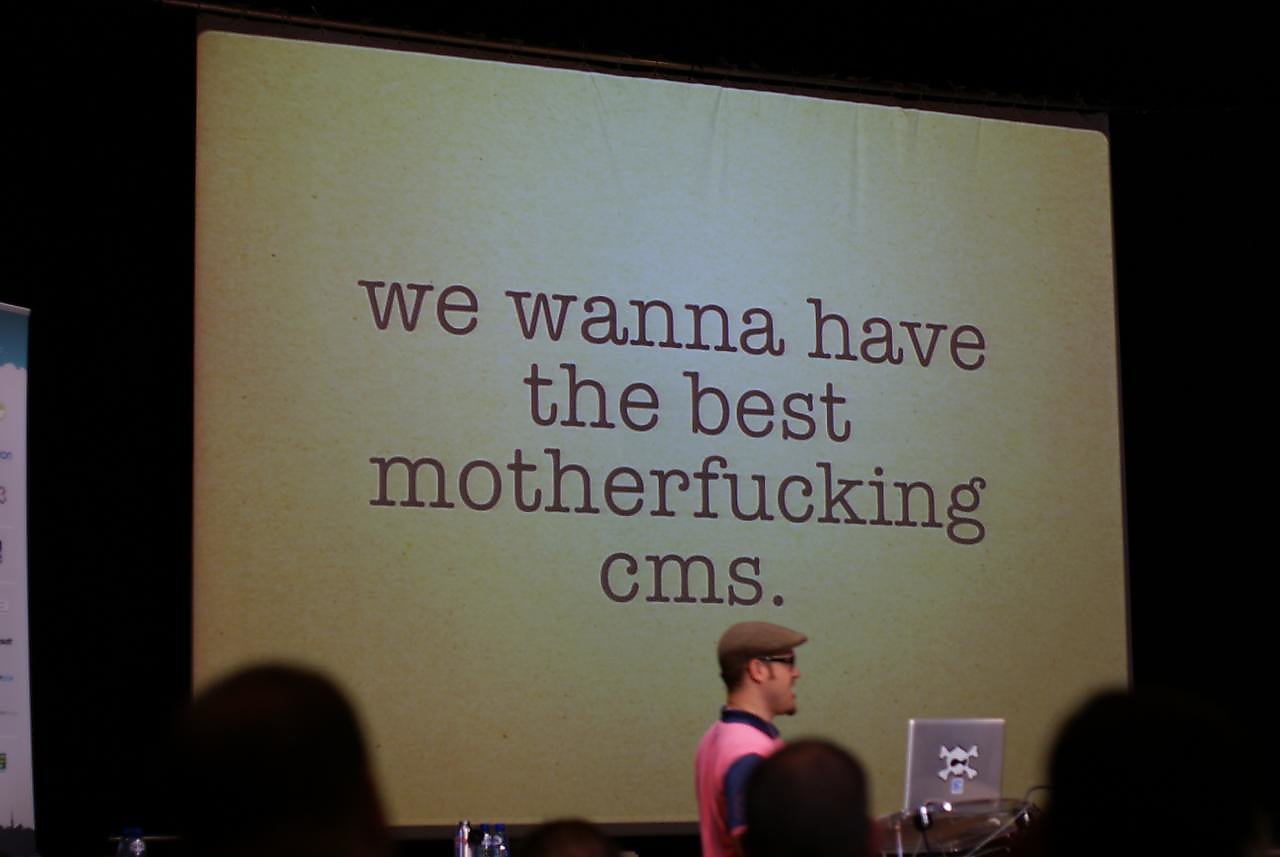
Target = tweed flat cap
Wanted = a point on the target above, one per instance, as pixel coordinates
(747, 640)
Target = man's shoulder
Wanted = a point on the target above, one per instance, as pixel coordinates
(729, 740)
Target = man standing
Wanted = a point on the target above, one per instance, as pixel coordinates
(758, 666)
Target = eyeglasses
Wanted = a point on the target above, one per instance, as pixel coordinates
(789, 660)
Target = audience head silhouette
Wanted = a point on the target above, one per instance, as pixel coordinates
(568, 838)
(274, 763)
(809, 798)
(1151, 770)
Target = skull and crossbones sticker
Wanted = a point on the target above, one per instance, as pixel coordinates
(957, 761)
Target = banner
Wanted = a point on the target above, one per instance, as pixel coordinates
(17, 802)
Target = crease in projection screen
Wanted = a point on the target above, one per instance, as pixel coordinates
(371, 227)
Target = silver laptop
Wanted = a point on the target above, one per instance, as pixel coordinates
(954, 760)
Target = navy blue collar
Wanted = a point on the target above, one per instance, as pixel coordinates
(737, 715)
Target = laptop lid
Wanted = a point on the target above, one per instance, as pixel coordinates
(954, 760)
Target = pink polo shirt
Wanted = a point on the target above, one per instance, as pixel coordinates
(732, 747)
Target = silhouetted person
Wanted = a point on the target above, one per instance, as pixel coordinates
(568, 838)
(1148, 772)
(808, 799)
(273, 763)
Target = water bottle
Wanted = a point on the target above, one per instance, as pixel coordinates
(131, 843)
(462, 839)
(486, 841)
(501, 848)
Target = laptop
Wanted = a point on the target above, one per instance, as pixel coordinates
(954, 760)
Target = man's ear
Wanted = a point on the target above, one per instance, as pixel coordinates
(757, 670)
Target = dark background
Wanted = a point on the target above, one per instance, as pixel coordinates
(102, 145)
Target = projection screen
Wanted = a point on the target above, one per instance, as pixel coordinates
(516, 386)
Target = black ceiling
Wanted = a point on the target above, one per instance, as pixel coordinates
(1114, 57)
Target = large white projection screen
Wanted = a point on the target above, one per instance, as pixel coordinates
(432, 303)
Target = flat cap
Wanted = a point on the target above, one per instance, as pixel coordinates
(747, 640)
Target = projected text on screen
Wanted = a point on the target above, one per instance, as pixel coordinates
(515, 386)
